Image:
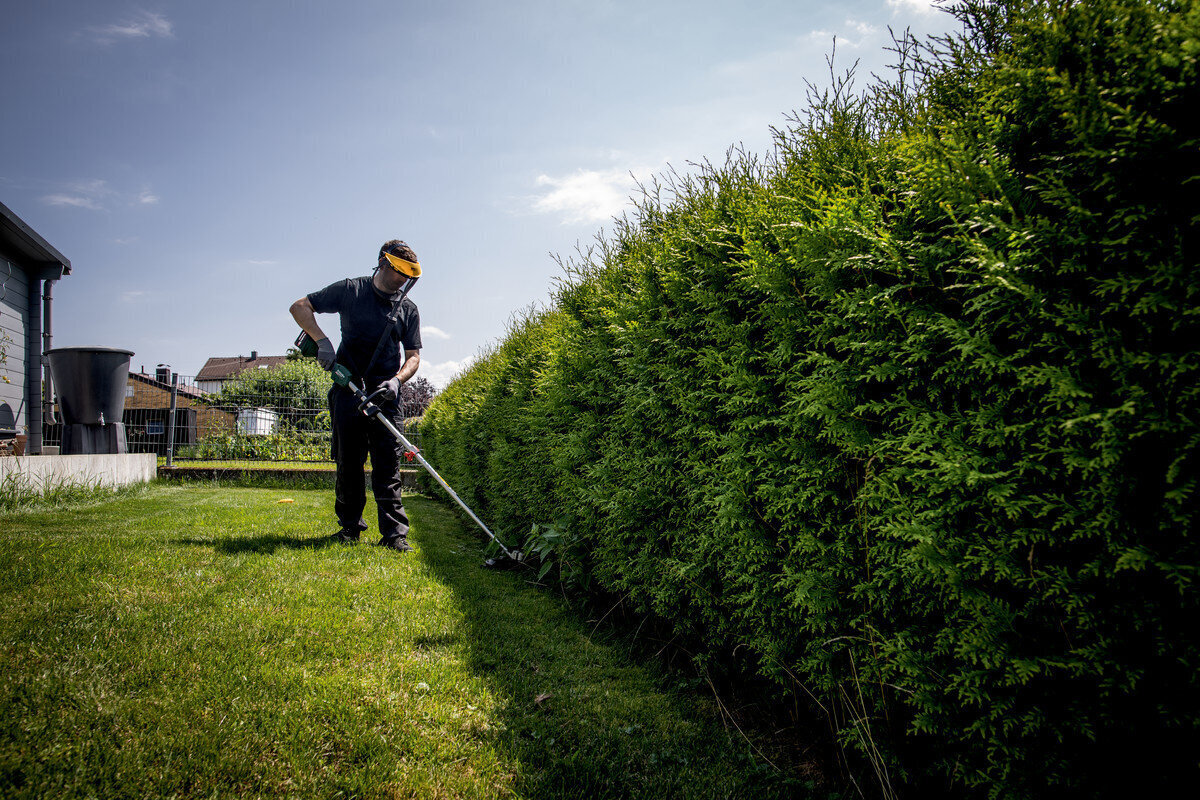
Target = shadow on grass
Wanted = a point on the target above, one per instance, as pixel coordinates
(265, 544)
(579, 714)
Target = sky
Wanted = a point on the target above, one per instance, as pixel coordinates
(203, 165)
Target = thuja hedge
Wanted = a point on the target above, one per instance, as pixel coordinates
(907, 414)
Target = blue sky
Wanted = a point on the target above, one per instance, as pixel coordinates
(203, 165)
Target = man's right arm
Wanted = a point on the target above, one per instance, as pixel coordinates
(306, 317)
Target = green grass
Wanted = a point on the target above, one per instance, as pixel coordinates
(246, 464)
(20, 493)
(199, 640)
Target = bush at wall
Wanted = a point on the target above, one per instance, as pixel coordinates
(907, 412)
(283, 444)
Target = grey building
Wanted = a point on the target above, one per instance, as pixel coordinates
(29, 266)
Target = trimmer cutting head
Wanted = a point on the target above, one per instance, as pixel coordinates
(501, 561)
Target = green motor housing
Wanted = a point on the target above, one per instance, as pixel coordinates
(308, 348)
(341, 376)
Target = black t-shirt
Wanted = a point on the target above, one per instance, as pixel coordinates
(364, 316)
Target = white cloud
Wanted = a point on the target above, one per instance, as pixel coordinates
(144, 25)
(853, 34)
(801, 57)
(585, 196)
(80, 194)
(261, 262)
(71, 200)
(862, 28)
(441, 374)
(96, 195)
(912, 6)
(429, 331)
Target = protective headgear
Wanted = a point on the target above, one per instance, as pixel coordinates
(390, 257)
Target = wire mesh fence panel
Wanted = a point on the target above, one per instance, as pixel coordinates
(263, 417)
(275, 416)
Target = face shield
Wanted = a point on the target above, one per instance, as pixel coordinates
(407, 270)
(411, 269)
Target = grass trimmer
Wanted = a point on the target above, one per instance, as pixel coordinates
(366, 404)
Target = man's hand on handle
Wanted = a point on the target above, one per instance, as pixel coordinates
(326, 356)
(392, 385)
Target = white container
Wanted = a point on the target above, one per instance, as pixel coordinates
(256, 421)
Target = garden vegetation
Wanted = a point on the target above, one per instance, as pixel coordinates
(905, 413)
(296, 393)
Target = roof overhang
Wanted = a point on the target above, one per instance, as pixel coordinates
(28, 249)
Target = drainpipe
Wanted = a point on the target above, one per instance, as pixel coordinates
(33, 370)
(47, 345)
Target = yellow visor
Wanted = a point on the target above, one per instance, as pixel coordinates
(410, 268)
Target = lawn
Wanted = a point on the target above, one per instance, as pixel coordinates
(248, 464)
(200, 640)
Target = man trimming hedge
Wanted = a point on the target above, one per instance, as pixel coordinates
(370, 348)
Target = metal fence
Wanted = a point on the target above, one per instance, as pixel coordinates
(184, 421)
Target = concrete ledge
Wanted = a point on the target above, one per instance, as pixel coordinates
(45, 472)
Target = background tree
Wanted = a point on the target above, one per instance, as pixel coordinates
(296, 390)
(415, 396)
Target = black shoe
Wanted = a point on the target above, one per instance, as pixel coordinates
(345, 537)
(399, 544)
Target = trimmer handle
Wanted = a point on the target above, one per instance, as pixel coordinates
(367, 404)
(306, 345)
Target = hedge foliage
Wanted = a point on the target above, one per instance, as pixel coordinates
(908, 410)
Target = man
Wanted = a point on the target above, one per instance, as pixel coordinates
(376, 326)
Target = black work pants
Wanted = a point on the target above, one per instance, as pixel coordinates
(355, 435)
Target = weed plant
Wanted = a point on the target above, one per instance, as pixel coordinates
(18, 493)
(904, 414)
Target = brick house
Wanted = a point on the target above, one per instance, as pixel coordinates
(148, 408)
(216, 371)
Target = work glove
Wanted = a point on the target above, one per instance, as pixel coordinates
(392, 385)
(326, 357)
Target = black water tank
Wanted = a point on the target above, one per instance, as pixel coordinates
(91, 383)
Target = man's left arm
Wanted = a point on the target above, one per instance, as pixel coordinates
(410, 341)
(412, 360)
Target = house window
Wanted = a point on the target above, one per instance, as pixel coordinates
(155, 427)
(129, 390)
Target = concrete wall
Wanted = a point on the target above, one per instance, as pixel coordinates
(44, 472)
